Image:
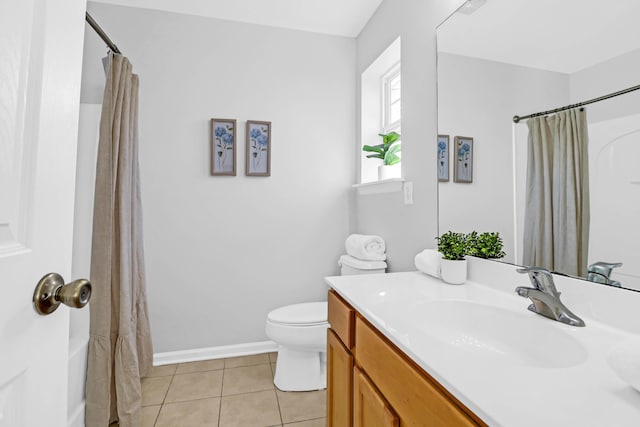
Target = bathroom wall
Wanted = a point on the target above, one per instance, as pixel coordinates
(609, 76)
(221, 252)
(614, 187)
(478, 98)
(407, 229)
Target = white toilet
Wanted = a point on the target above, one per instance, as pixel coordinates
(300, 330)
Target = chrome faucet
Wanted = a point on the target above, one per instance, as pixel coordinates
(600, 272)
(545, 297)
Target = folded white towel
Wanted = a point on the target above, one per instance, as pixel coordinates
(428, 261)
(365, 247)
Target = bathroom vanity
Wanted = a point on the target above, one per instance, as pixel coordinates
(372, 382)
(408, 349)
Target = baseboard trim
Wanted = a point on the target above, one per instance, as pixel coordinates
(197, 354)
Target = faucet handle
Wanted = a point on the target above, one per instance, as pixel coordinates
(541, 279)
(536, 269)
(603, 268)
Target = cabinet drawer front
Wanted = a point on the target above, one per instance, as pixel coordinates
(418, 399)
(339, 383)
(341, 319)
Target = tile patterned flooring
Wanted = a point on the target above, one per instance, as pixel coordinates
(233, 392)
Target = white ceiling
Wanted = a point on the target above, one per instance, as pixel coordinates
(558, 35)
(337, 17)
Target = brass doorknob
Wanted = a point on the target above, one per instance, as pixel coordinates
(51, 291)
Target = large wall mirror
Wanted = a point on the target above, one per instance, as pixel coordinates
(501, 58)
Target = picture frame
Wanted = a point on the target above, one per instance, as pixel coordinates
(463, 164)
(223, 147)
(443, 158)
(258, 151)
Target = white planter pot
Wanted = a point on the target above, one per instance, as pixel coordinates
(453, 272)
(388, 172)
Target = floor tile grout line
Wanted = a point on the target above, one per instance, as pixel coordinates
(302, 421)
(192, 400)
(277, 400)
(163, 399)
(167, 391)
(221, 390)
(155, 420)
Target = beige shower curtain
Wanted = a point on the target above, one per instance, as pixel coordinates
(556, 232)
(120, 349)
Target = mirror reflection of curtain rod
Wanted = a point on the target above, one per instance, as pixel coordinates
(516, 119)
(102, 34)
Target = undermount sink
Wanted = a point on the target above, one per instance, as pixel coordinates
(503, 335)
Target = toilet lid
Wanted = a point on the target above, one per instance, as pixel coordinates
(310, 313)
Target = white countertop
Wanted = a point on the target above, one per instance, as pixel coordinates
(524, 382)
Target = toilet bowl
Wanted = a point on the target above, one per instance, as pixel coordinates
(300, 330)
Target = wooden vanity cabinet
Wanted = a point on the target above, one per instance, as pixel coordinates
(340, 362)
(339, 382)
(370, 382)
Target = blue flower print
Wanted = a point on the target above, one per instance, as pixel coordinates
(464, 161)
(463, 150)
(442, 146)
(259, 142)
(223, 134)
(227, 138)
(220, 132)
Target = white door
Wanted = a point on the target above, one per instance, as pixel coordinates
(40, 68)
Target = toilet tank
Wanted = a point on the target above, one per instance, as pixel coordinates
(350, 265)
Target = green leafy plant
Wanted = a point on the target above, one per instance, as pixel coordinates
(485, 245)
(387, 151)
(453, 246)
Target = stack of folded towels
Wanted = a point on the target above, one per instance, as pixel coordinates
(366, 247)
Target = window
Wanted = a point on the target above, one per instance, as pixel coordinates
(380, 111)
(391, 95)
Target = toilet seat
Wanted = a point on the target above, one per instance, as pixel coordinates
(305, 314)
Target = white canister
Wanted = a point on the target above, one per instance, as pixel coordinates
(388, 172)
(453, 272)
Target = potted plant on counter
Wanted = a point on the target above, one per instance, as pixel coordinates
(485, 245)
(388, 152)
(453, 266)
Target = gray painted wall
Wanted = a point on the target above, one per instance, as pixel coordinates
(478, 98)
(609, 76)
(407, 229)
(222, 252)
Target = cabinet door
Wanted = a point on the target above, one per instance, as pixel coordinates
(339, 383)
(369, 407)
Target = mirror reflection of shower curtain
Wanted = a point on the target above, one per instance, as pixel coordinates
(556, 228)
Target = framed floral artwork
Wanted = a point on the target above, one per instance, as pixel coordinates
(258, 153)
(463, 165)
(223, 147)
(443, 158)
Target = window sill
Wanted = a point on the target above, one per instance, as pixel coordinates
(390, 185)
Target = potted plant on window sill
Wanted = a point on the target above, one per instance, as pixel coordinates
(453, 266)
(388, 152)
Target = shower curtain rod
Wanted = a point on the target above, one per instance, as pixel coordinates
(102, 34)
(516, 119)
